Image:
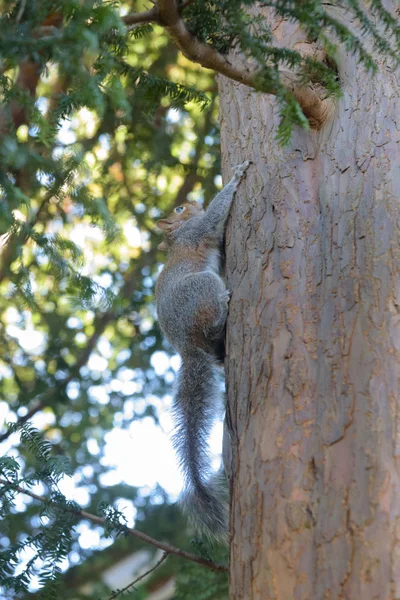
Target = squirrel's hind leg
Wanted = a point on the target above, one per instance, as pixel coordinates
(216, 333)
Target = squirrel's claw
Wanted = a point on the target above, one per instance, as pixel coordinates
(239, 170)
(225, 297)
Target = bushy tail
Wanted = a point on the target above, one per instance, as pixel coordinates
(198, 401)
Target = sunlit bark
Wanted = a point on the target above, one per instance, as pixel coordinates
(313, 340)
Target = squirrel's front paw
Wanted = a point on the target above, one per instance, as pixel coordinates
(239, 170)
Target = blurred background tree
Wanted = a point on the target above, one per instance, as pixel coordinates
(103, 130)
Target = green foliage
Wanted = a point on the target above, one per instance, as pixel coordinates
(51, 545)
(81, 171)
(229, 23)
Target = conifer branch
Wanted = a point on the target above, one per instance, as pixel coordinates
(127, 530)
(315, 107)
(22, 420)
(166, 13)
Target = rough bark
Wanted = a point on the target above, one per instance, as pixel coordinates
(313, 343)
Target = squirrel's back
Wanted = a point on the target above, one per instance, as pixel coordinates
(184, 258)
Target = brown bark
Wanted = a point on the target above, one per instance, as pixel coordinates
(313, 344)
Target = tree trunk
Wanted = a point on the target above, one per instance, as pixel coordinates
(313, 343)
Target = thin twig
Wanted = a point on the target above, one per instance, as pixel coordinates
(127, 530)
(130, 585)
(21, 11)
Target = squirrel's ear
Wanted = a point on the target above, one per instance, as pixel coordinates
(163, 246)
(163, 224)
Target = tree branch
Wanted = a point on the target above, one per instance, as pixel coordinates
(316, 108)
(127, 530)
(197, 51)
(130, 585)
(148, 16)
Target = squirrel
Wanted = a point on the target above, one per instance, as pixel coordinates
(192, 306)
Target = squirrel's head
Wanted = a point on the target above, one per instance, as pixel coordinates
(177, 217)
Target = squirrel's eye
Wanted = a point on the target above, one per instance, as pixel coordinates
(179, 209)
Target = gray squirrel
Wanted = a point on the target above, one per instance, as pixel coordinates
(192, 306)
